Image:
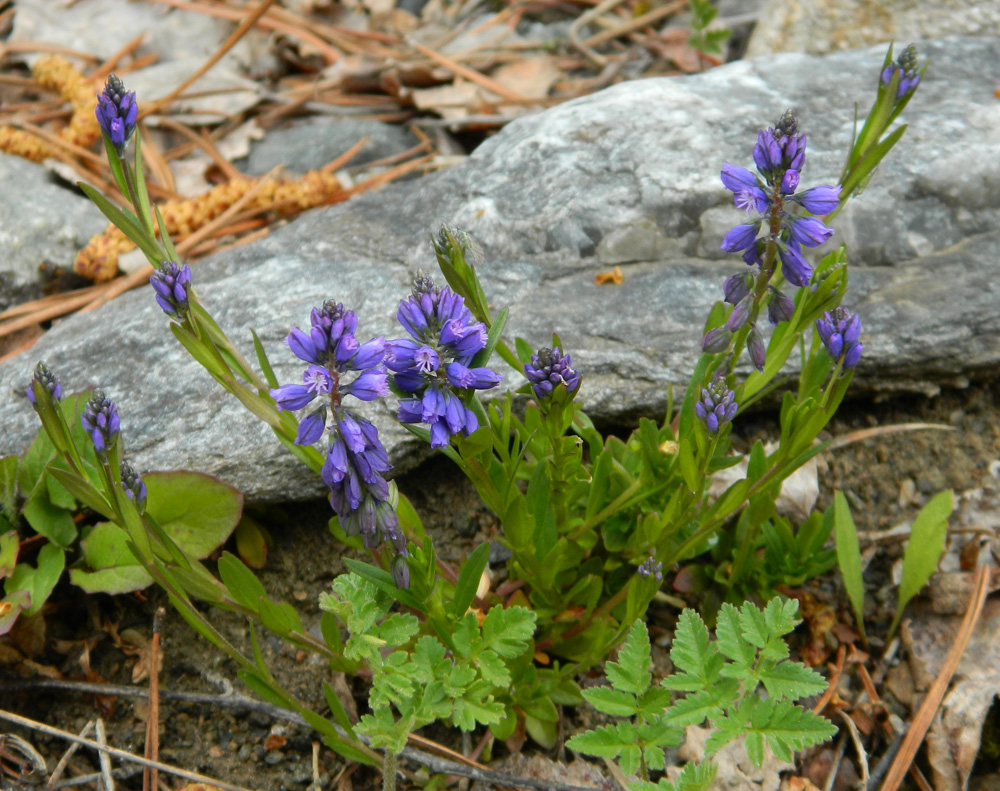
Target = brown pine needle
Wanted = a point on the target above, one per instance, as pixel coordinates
(928, 709)
(470, 74)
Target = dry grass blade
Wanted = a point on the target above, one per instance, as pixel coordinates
(227, 45)
(102, 71)
(470, 74)
(881, 431)
(69, 302)
(116, 753)
(928, 709)
(649, 18)
(150, 775)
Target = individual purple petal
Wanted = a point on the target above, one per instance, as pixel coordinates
(795, 268)
(369, 386)
(311, 427)
(808, 231)
(302, 346)
(819, 200)
(292, 397)
(740, 237)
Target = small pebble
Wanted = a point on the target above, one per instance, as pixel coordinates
(244, 753)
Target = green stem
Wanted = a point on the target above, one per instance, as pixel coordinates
(389, 770)
(147, 224)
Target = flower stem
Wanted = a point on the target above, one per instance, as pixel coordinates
(389, 770)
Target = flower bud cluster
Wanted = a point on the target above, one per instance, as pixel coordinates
(840, 331)
(433, 363)
(117, 113)
(172, 284)
(550, 368)
(651, 568)
(100, 421)
(717, 405)
(48, 381)
(906, 67)
(133, 486)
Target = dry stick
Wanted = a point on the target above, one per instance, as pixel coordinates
(471, 74)
(227, 45)
(921, 722)
(60, 309)
(107, 782)
(831, 687)
(102, 71)
(61, 766)
(586, 18)
(267, 23)
(150, 777)
(878, 431)
(40, 46)
(27, 308)
(158, 164)
(635, 24)
(859, 748)
(113, 751)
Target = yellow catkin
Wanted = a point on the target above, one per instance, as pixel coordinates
(98, 261)
(55, 73)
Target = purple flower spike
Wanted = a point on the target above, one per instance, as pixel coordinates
(840, 331)
(172, 285)
(550, 368)
(48, 381)
(717, 406)
(906, 67)
(100, 421)
(117, 113)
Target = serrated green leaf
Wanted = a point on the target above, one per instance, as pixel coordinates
(398, 628)
(730, 640)
(693, 710)
(631, 673)
(792, 680)
(780, 616)
(753, 629)
(786, 727)
(608, 741)
(493, 669)
(475, 707)
(508, 630)
(690, 650)
(611, 701)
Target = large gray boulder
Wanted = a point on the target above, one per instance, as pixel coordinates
(626, 176)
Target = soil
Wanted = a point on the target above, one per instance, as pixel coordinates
(885, 477)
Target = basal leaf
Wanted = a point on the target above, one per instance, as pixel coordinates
(849, 557)
(197, 511)
(508, 630)
(108, 564)
(49, 520)
(925, 547)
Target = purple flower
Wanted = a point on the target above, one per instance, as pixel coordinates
(717, 405)
(116, 113)
(755, 347)
(789, 182)
(740, 315)
(840, 331)
(651, 568)
(819, 200)
(808, 231)
(741, 237)
(433, 365)
(716, 341)
(550, 368)
(796, 269)
(48, 382)
(133, 486)
(172, 284)
(906, 67)
(747, 194)
(737, 287)
(780, 308)
(100, 421)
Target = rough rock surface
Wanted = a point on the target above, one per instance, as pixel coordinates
(819, 27)
(547, 198)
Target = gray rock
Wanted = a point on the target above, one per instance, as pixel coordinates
(542, 197)
(43, 224)
(313, 143)
(823, 26)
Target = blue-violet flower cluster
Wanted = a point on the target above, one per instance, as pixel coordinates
(356, 459)
(840, 331)
(172, 284)
(133, 486)
(779, 155)
(116, 113)
(550, 368)
(100, 421)
(433, 363)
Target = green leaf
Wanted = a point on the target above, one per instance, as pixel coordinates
(110, 566)
(696, 776)
(611, 701)
(693, 710)
(265, 364)
(752, 626)
(243, 586)
(38, 582)
(791, 680)
(508, 630)
(49, 520)
(8, 484)
(849, 557)
(607, 741)
(468, 579)
(83, 491)
(8, 553)
(693, 654)
(729, 638)
(925, 547)
(11, 606)
(398, 629)
(788, 727)
(197, 511)
(631, 673)
(126, 223)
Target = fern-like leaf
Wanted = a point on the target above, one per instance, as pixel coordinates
(631, 672)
